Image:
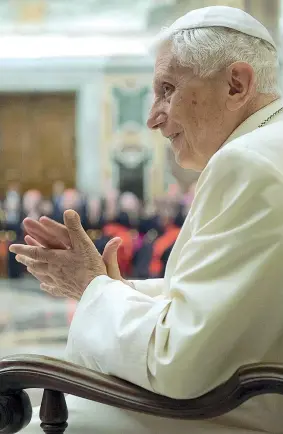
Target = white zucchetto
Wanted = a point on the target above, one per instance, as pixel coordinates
(221, 16)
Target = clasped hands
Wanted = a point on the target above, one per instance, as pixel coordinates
(63, 258)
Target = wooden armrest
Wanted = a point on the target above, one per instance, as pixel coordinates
(18, 373)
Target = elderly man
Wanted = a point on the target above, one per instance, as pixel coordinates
(219, 305)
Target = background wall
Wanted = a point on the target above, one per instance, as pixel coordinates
(105, 81)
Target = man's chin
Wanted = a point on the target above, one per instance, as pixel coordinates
(187, 164)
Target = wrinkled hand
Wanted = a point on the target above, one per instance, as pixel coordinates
(64, 271)
(53, 235)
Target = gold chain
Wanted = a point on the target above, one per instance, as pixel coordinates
(270, 117)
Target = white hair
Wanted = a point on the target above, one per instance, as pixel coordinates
(210, 49)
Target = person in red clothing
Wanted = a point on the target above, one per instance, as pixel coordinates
(162, 243)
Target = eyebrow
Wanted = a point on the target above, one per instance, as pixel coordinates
(163, 77)
(159, 80)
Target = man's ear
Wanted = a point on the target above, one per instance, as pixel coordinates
(241, 85)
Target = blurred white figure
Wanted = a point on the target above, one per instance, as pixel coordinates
(12, 204)
(47, 208)
(111, 203)
(93, 212)
(130, 205)
(31, 204)
(71, 199)
(58, 189)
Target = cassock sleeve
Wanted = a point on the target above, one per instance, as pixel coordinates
(224, 305)
(151, 287)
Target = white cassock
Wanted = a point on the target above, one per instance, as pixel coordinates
(219, 306)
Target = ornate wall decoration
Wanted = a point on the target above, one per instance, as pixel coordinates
(127, 144)
(130, 105)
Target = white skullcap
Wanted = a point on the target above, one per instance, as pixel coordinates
(221, 16)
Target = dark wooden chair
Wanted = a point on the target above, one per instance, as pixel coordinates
(56, 377)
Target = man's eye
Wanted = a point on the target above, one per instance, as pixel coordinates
(167, 89)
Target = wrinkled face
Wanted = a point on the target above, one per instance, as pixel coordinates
(189, 111)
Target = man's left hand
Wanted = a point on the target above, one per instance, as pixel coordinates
(64, 272)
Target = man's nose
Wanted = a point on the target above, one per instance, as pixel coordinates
(156, 120)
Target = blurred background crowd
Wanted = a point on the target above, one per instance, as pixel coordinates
(148, 229)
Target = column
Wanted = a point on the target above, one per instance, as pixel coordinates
(88, 121)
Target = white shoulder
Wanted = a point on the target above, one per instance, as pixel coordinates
(263, 144)
(238, 179)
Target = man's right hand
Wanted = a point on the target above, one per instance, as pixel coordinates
(53, 235)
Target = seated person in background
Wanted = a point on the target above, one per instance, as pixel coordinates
(47, 208)
(149, 220)
(219, 305)
(149, 229)
(12, 207)
(32, 200)
(173, 234)
(58, 188)
(163, 242)
(94, 217)
(152, 256)
(124, 225)
(70, 198)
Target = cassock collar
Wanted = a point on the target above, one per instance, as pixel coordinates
(255, 120)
